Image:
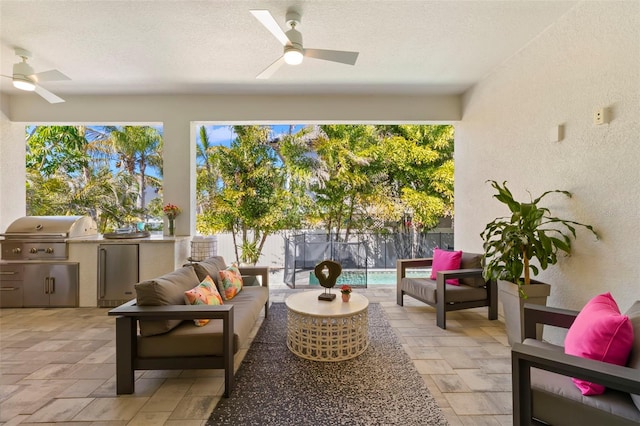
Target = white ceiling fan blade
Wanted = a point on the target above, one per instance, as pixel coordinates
(50, 97)
(271, 69)
(266, 19)
(51, 75)
(341, 56)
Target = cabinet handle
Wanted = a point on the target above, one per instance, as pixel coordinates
(103, 273)
(52, 285)
(8, 272)
(8, 288)
(46, 285)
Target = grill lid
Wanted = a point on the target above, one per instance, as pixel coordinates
(51, 227)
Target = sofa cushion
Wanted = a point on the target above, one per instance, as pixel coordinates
(165, 290)
(601, 333)
(634, 357)
(445, 261)
(230, 283)
(205, 293)
(187, 339)
(211, 267)
(472, 261)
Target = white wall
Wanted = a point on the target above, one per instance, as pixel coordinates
(588, 60)
(12, 168)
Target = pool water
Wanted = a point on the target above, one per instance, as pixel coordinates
(375, 277)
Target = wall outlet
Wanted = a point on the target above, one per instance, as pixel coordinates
(600, 116)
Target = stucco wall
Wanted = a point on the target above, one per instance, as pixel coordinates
(12, 168)
(588, 60)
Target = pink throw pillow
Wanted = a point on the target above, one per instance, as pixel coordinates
(601, 333)
(445, 261)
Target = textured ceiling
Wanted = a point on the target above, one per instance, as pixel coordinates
(209, 47)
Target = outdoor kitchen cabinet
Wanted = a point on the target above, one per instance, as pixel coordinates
(11, 276)
(50, 285)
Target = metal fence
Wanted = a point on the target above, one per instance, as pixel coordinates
(362, 252)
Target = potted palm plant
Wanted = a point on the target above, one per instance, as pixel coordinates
(511, 243)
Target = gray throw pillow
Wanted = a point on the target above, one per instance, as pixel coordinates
(165, 290)
(211, 266)
(634, 358)
(471, 261)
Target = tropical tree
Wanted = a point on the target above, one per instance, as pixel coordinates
(252, 201)
(138, 147)
(206, 173)
(69, 171)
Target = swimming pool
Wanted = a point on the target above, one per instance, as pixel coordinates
(373, 277)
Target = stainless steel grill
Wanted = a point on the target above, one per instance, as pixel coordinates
(44, 237)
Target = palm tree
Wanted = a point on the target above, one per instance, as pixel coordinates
(137, 147)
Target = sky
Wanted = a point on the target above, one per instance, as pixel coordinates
(224, 135)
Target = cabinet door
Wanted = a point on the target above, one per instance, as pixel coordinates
(11, 276)
(63, 285)
(35, 286)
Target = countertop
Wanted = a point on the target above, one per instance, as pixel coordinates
(154, 238)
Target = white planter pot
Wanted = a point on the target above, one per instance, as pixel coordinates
(513, 305)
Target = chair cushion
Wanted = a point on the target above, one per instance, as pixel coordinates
(425, 289)
(634, 357)
(556, 400)
(165, 290)
(205, 293)
(445, 261)
(601, 333)
(472, 261)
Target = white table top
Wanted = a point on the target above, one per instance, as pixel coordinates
(307, 303)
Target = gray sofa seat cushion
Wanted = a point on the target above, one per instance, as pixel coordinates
(425, 289)
(556, 400)
(189, 340)
(165, 290)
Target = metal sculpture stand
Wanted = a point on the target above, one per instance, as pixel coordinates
(327, 273)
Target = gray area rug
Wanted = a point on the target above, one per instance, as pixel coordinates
(275, 387)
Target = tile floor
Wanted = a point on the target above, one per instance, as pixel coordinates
(57, 366)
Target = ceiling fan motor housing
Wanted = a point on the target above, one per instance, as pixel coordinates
(23, 78)
(293, 52)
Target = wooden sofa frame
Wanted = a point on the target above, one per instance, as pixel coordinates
(128, 315)
(441, 307)
(524, 357)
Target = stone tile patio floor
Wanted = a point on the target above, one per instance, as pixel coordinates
(57, 366)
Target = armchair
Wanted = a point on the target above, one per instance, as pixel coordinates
(472, 292)
(543, 392)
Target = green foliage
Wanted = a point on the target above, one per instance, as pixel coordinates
(68, 172)
(510, 243)
(250, 196)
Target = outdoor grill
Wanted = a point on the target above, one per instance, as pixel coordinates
(44, 237)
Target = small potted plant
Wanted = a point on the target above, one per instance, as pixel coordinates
(346, 292)
(512, 242)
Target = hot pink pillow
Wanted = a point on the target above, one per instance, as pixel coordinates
(445, 261)
(601, 333)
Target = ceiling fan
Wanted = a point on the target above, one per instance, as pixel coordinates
(294, 53)
(25, 79)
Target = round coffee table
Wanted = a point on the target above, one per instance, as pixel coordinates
(327, 331)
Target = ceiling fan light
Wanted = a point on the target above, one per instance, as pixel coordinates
(23, 84)
(293, 56)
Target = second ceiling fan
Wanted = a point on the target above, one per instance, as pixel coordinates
(294, 52)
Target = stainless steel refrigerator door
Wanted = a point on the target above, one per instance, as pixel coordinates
(117, 271)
